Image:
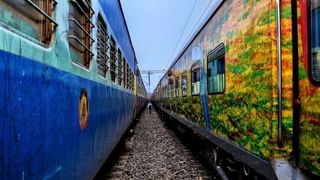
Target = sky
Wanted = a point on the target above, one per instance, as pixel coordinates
(159, 29)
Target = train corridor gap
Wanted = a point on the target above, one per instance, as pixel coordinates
(154, 152)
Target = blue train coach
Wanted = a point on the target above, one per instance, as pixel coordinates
(70, 86)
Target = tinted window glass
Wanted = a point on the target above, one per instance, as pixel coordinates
(315, 39)
(216, 70)
(195, 77)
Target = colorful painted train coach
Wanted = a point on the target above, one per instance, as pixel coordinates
(251, 77)
(70, 86)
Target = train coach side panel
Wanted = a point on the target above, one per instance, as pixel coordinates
(41, 136)
(309, 92)
(112, 9)
(246, 112)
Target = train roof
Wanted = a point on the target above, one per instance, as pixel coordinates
(216, 6)
(114, 13)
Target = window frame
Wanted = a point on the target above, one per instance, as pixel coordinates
(197, 63)
(309, 43)
(217, 53)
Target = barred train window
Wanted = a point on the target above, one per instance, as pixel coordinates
(184, 84)
(113, 59)
(102, 57)
(30, 17)
(128, 78)
(315, 39)
(119, 67)
(195, 79)
(124, 72)
(216, 70)
(125, 78)
(80, 27)
(131, 80)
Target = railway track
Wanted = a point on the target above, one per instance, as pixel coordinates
(152, 151)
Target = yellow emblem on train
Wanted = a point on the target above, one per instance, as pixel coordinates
(83, 109)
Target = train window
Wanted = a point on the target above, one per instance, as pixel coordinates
(124, 72)
(216, 70)
(130, 80)
(184, 84)
(113, 59)
(127, 76)
(102, 57)
(195, 79)
(120, 59)
(177, 86)
(36, 22)
(80, 26)
(315, 39)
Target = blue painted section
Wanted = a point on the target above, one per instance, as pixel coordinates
(40, 136)
(204, 96)
(197, 55)
(117, 22)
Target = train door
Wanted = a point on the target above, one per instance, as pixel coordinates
(306, 71)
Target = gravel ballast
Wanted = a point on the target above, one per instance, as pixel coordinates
(154, 152)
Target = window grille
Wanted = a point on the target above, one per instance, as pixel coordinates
(128, 77)
(132, 81)
(124, 72)
(102, 57)
(80, 26)
(113, 60)
(120, 60)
